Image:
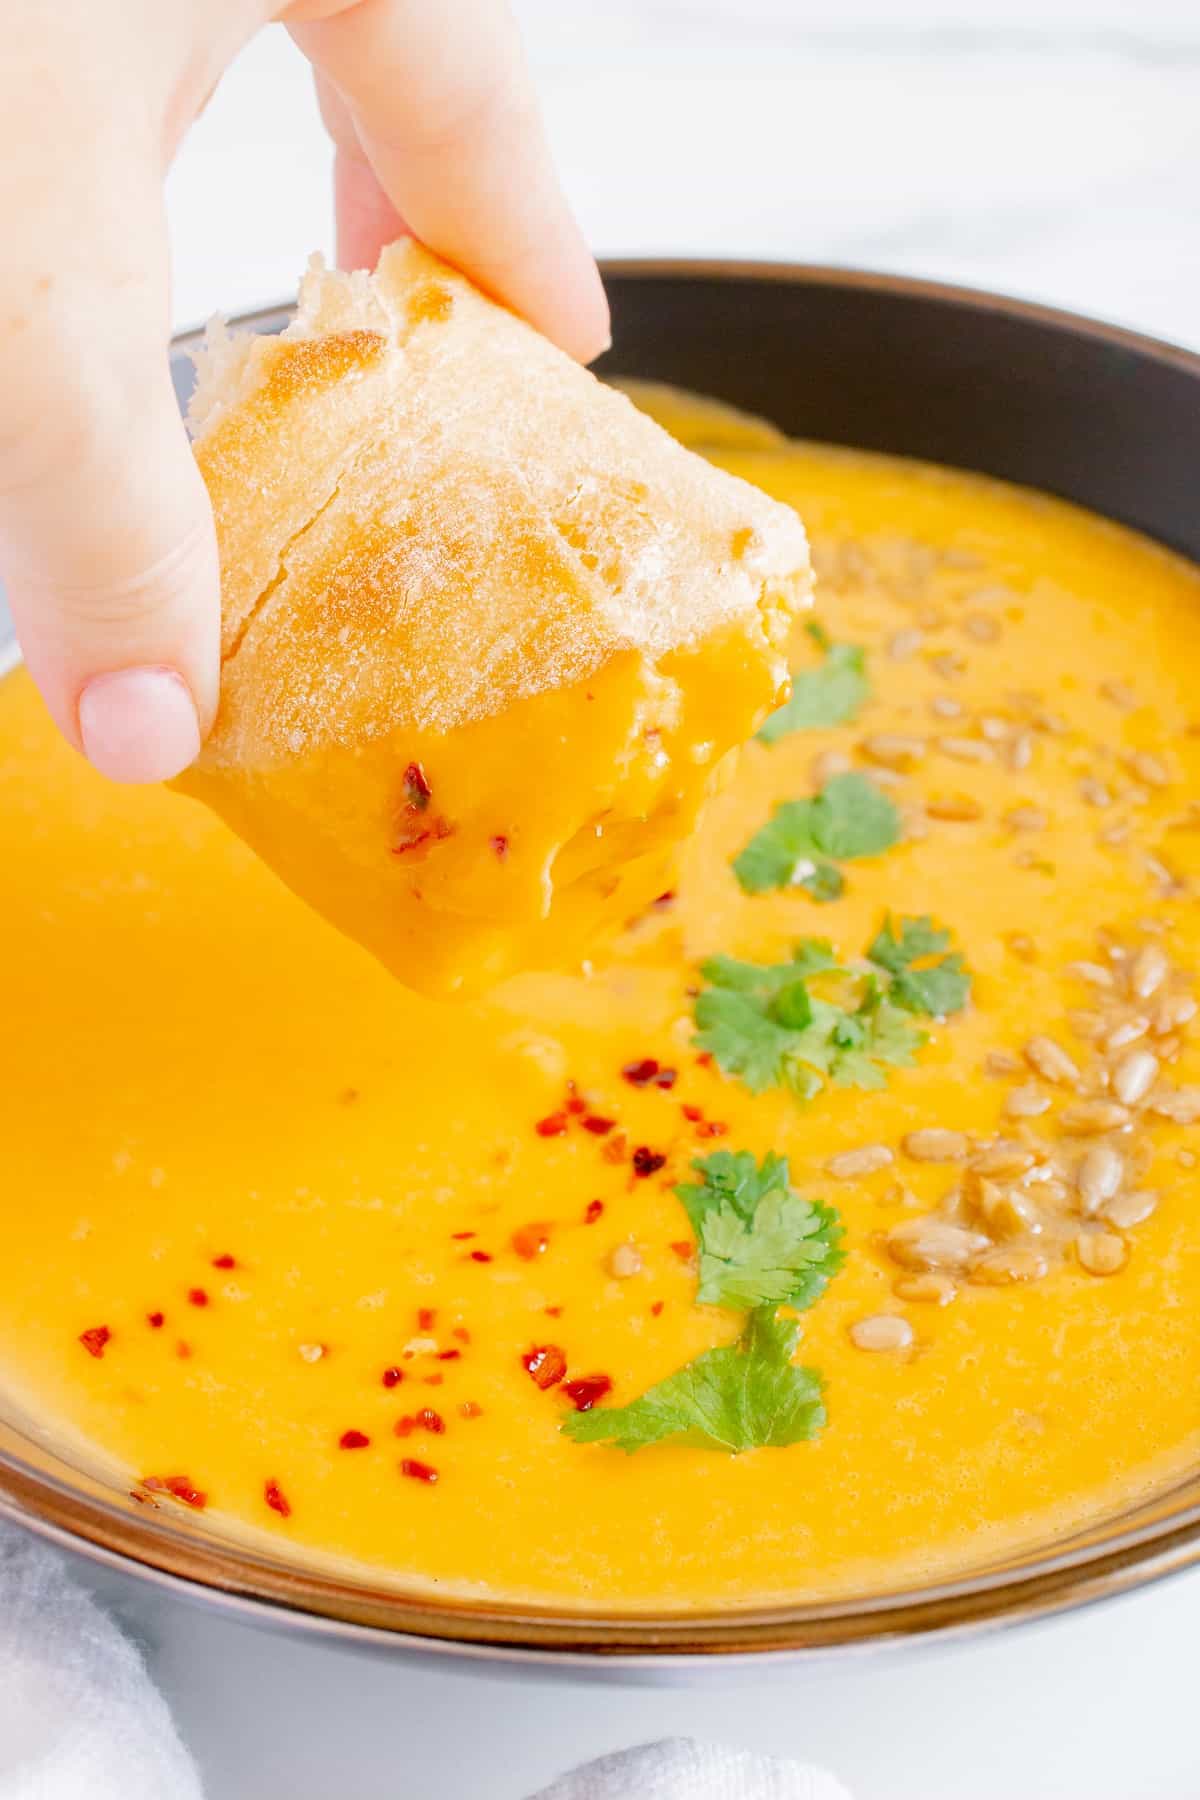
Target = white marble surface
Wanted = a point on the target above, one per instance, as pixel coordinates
(1048, 147)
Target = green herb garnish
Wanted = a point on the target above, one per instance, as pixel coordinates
(760, 1242)
(824, 696)
(803, 840)
(814, 1020)
(744, 1396)
(925, 978)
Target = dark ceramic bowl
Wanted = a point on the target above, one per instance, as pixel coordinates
(1083, 410)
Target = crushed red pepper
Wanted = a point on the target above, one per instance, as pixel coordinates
(594, 1210)
(470, 1409)
(224, 1262)
(691, 1113)
(481, 1256)
(449, 1355)
(94, 1339)
(426, 1318)
(418, 1471)
(197, 1297)
(532, 1240)
(546, 1363)
(353, 1440)
(640, 1073)
(461, 1333)
(393, 1377)
(656, 1308)
(586, 1390)
(180, 1487)
(647, 1162)
(664, 900)
(711, 1128)
(682, 1249)
(460, 1237)
(156, 1320)
(614, 1147)
(277, 1500)
(553, 1125)
(598, 1125)
(430, 1420)
(499, 845)
(417, 790)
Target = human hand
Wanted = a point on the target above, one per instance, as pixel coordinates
(106, 537)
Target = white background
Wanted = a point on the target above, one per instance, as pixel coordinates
(1048, 147)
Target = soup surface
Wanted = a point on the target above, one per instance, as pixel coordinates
(336, 1265)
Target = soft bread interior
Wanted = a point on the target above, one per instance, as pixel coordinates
(487, 629)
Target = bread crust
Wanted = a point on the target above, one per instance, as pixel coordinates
(487, 630)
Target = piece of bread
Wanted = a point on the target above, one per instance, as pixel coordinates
(487, 629)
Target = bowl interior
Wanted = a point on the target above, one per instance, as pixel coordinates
(1095, 415)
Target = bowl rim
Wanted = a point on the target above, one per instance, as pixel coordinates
(173, 1556)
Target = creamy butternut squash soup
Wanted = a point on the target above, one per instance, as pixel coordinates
(836, 1227)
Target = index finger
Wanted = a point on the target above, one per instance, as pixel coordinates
(443, 106)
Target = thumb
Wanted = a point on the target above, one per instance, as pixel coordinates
(106, 536)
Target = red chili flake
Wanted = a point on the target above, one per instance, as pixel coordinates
(353, 1440)
(142, 1499)
(460, 1237)
(531, 1240)
(546, 1364)
(417, 790)
(656, 1309)
(426, 1318)
(598, 1126)
(412, 836)
(481, 1256)
(664, 900)
(418, 1471)
(462, 1334)
(499, 845)
(156, 1320)
(224, 1262)
(704, 1060)
(197, 1297)
(449, 1355)
(470, 1409)
(183, 1350)
(392, 1377)
(575, 1105)
(614, 1148)
(647, 1161)
(432, 1380)
(637, 1074)
(711, 1128)
(94, 1339)
(553, 1312)
(277, 1500)
(180, 1487)
(405, 1427)
(682, 1249)
(587, 1390)
(553, 1125)
(666, 1078)
(594, 1210)
(429, 1420)
(691, 1113)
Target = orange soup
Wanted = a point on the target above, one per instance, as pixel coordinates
(836, 1226)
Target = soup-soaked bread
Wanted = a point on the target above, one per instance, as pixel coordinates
(487, 629)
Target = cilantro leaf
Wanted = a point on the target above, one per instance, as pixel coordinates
(760, 1242)
(765, 1023)
(743, 1396)
(925, 979)
(850, 817)
(824, 696)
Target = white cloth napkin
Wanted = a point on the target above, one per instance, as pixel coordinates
(80, 1718)
(684, 1769)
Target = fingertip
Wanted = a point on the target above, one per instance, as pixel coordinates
(139, 725)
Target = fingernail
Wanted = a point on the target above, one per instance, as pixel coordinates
(139, 724)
